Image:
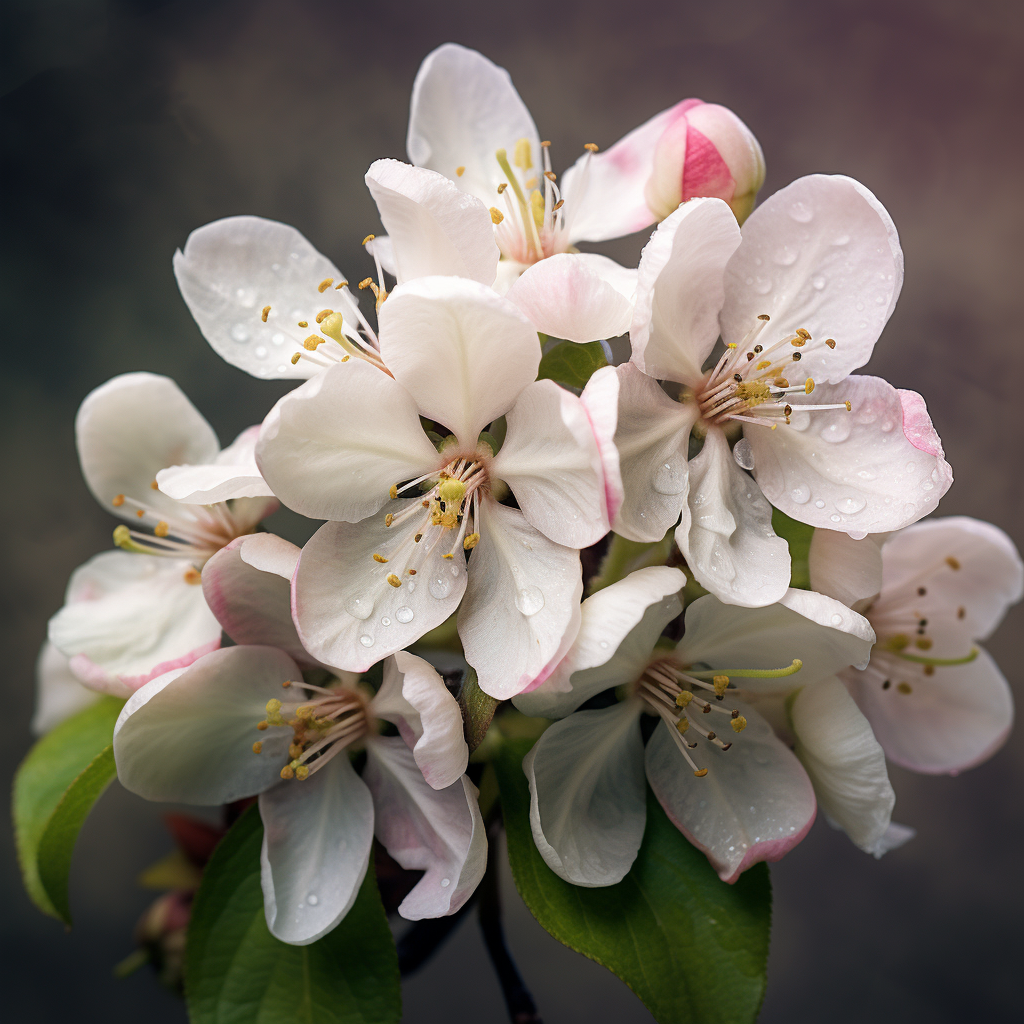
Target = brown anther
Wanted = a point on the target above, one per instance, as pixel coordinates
(849, 406)
(803, 334)
(262, 726)
(323, 315)
(797, 356)
(952, 563)
(118, 500)
(701, 772)
(257, 746)
(139, 513)
(830, 342)
(311, 342)
(929, 670)
(738, 378)
(394, 580)
(425, 503)
(758, 349)
(781, 382)
(550, 175)
(921, 591)
(961, 613)
(711, 735)
(788, 410)
(558, 205)
(706, 709)
(265, 313)
(763, 316)
(886, 684)
(904, 688)
(591, 146)
(924, 644)
(750, 355)
(417, 538)
(411, 572)
(502, 187)
(154, 486)
(303, 323)
(325, 284)
(193, 577)
(379, 558)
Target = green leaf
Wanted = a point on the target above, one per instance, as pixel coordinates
(236, 972)
(694, 949)
(58, 840)
(49, 768)
(571, 364)
(798, 536)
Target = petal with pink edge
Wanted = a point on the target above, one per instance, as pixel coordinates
(317, 836)
(823, 255)
(434, 227)
(414, 698)
(347, 612)
(838, 750)
(439, 832)
(577, 296)
(187, 737)
(519, 602)
(755, 804)
(550, 459)
(600, 399)
(59, 695)
(945, 722)
(855, 471)
(461, 351)
(334, 447)
(587, 794)
(726, 530)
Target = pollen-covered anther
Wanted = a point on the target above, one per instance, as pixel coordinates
(830, 342)
(460, 171)
(161, 529)
(265, 313)
(287, 772)
(380, 558)
(684, 698)
(701, 772)
(739, 723)
(394, 580)
(310, 344)
(193, 577)
(368, 239)
(393, 493)
(118, 500)
(496, 215)
(471, 541)
(323, 315)
(257, 746)
(753, 392)
(808, 386)
(325, 284)
(721, 684)
(591, 147)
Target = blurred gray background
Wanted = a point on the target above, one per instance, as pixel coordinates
(126, 124)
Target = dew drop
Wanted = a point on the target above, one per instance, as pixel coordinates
(837, 619)
(240, 333)
(385, 621)
(404, 614)
(762, 285)
(366, 640)
(749, 281)
(359, 607)
(277, 338)
(819, 504)
(785, 256)
(445, 882)
(604, 645)
(860, 306)
(246, 297)
(801, 494)
(312, 899)
(801, 212)
(261, 352)
(887, 426)
(840, 239)
(836, 431)
(818, 282)
(439, 586)
(911, 467)
(670, 477)
(743, 453)
(880, 299)
(835, 518)
(936, 476)
(410, 585)
(529, 600)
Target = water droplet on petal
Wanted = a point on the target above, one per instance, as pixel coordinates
(840, 240)
(312, 899)
(800, 494)
(439, 586)
(529, 600)
(385, 621)
(670, 477)
(445, 882)
(410, 585)
(240, 333)
(801, 212)
(359, 607)
(850, 504)
(404, 614)
(836, 431)
(762, 285)
(743, 453)
(880, 299)
(887, 426)
(835, 518)
(785, 256)
(819, 504)
(604, 645)
(246, 297)
(800, 420)
(818, 282)
(366, 640)
(277, 338)
(837, 619)
(261, 352)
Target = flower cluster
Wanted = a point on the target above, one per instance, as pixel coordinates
(458, 477)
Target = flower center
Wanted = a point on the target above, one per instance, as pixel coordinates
(196, 532)
(538, 217)
(668, 690)
(749, 383)
(322, 726)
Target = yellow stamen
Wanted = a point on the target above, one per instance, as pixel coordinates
(323, 314)
(952, 563)
(326, 283)
(721, 684)
(684, 698)
(287, 772)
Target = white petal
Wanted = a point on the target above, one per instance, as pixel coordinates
(726, 531)
(251, 604)
(187, 736)
(680, 290)
(619, 626)
(234, 474)
(577, 296)
(853, 471)
(587, 794)
(347, 614)
(59, 695)
(848, 570)
(413, 697)
(895, 836)
(612, 203)
(519, 602)
(232, 269)
(317, 838)
(823, 634)
(839, 751)
(434, 227)
(823, 255)
(129, 429)
(551, 460)
(988, 577)
(464, 109)
(652, 437)
(755, 804)
(152, 621)
(462, 352)
(600, 398)
(438, 832)
(949, 721)
(333, 447)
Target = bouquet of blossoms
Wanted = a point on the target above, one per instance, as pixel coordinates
(645, 616)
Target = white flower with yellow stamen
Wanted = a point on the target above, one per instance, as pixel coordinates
(936, 700)
(725, 779)
(136, 613)
(243, 722)
(348, 446)
(800, 299)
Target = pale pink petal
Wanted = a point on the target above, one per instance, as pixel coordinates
(434, 227)
(755, 804)
(848, 570)
(233, 474)
(600, 400)
(59, 694)
(853, 471)
(439, 832)
(726, 533)
(334, 447)
(823, 255)
(461, 351)
(550, 459)
(587, 794)
(519, 602)
(577, 296)
(680, 290)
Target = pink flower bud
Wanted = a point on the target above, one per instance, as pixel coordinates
(705, 150)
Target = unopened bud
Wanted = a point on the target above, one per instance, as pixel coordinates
(705, 150)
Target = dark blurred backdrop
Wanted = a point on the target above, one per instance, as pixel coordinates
(125, 125)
